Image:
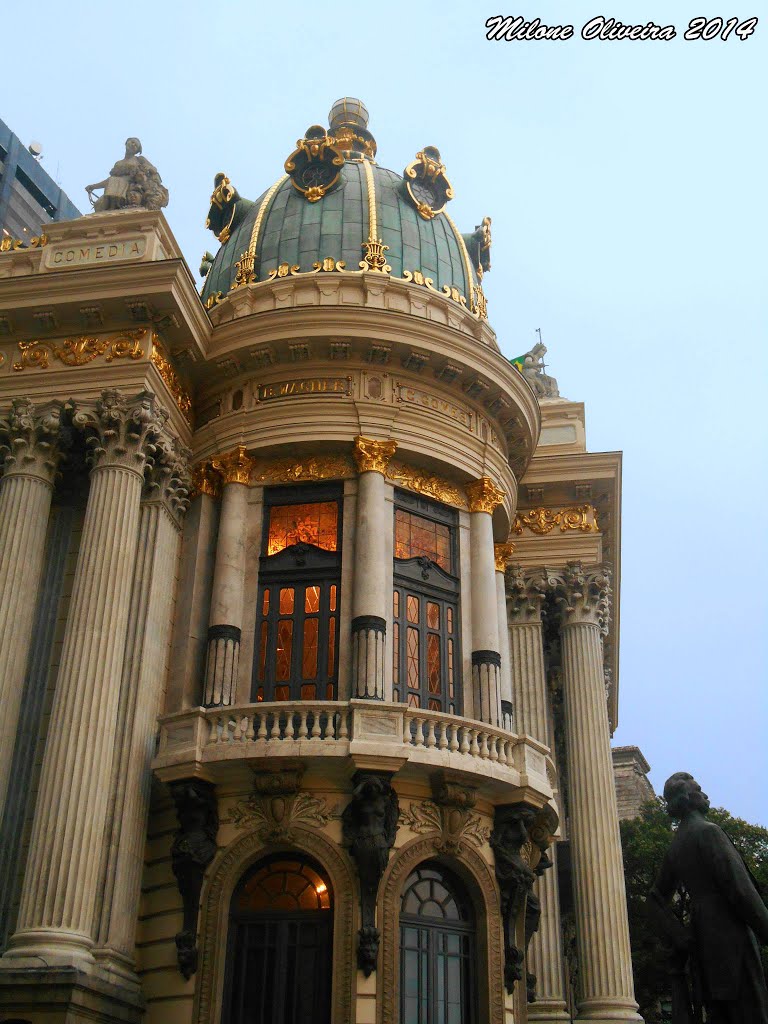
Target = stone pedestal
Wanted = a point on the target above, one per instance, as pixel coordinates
(605, 965)
(526, 592)
(226, 621)
(484, 497)
(57, 917)
(31, 445)
(370, 600)
(149, 628)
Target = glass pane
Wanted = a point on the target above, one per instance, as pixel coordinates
(333, 598)
(263, 649)
(450, 667)
(396, 604)
(412, 608)
(433, 705)
(331, 646)
(315, 523)
(284, 647)
(415, 535)
(433, 663)
(308, 691)
(265, 603)
(329, 694)
(309, 655)
(449, 618)
(412, 657)
(282, 692)
(413, 700)
(286, 601)
(312, 599)
(396, 652)
(284, 885)
(433, 615)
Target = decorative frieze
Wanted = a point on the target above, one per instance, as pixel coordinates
(484, 495)
(309, 468)
(171, 379)
(431, 486)
(542, 521)
(80, 350)
(372, 456)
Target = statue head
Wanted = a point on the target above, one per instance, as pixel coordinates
(132, 146)
(683, 794)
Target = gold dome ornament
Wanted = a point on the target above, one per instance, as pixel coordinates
(427, 183)
(315, 165)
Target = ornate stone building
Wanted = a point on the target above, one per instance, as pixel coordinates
(630, 778)
(308, 622)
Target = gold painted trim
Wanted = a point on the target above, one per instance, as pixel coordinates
(235, 467)
(9, 244)
(205, 480)
(312, 467)
(249, 256)
(171, 379)
(478, 304)
(370, 181)
(542, 521)
(372, 456)
(80, 350)
(436, 487)
(484, 495)
(503, 553)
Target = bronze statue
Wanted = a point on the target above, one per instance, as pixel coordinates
(728, 917)
(132, 182)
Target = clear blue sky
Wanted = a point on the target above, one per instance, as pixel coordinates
(626, 182)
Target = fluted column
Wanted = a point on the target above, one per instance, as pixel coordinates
(484, 497)
(57, 917)
(545, 954)
(226, 621)
(370, 600)
(163, 504)
(605, 966)
(502, 555)
(30, 443)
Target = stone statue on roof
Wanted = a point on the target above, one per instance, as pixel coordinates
(531, 365)
(132, 182)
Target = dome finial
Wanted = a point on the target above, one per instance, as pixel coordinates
(348, 124)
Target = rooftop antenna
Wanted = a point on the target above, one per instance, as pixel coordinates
(538, 331)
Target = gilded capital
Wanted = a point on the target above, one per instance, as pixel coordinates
(372, 456)
(502, 553)
(205, 480)
(30, 439)
(583, 595)
(484, 495)
(235, 467)
(526, 591)
(120, 431)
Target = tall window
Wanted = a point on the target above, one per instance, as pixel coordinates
(437, 950)
(279, 963)
(297, 624)
(425, 606)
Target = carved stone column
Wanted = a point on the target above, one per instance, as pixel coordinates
(484, 498)
(57, 917)
(526, 593)
(605, 966)
(31, 447)
(502, 554)
(226, 621)
(370, 601)
(162, 508)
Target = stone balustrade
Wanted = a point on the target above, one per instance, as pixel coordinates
(195, 741)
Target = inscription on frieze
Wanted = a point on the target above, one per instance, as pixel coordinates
(305, 386)
(428, 400)
(62, 256)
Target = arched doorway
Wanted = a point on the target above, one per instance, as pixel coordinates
(437, 949)
(279, 951)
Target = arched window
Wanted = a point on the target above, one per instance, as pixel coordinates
(297, 616)
(426, 669)
(437, 949)
(279, 963)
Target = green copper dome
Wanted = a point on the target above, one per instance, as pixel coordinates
(333, 201)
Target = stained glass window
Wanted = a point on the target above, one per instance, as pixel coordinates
(315, 523)
(415, 535)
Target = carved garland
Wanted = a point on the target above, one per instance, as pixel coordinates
(543, 520)
(472, 869)
(80, 350)
(227, 871)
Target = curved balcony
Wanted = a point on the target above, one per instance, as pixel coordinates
(212, 742)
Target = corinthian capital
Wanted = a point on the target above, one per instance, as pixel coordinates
(236, 467)
(169, 479)
(583, 594)
(31, 439)
(502, 553)
(484, 495)
(122, 431)
(372, 456)
(526, 592)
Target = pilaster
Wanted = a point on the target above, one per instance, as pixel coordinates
(57, 917)
(370, 601)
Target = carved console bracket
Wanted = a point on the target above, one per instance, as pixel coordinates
(194, 847)
(278, 804)
(369, 825)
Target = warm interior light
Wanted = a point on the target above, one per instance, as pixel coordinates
(321, 888)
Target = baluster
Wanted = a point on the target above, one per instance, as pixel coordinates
(249, 731)
(303, 730)
(289, 727)
(494, 752)
(213, 735)
(315, 734)
(237, 734)
(343, 730)
(454, 744)
(275, 730)
(419, 742)
(407, 738)
(443, 741)
(511, 754)
(328, 731)
(465, 748)
(431, 741)
(262, 733)
(474, 749)
(484, 745)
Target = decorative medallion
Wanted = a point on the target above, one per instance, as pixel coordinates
(314, 166)
(427, 183)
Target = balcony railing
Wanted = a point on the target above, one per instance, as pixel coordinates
(308, 729)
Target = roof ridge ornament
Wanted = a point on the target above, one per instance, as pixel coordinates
(427, 183)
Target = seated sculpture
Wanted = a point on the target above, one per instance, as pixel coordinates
(728, 916)
(132, 182)
(531, 365)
